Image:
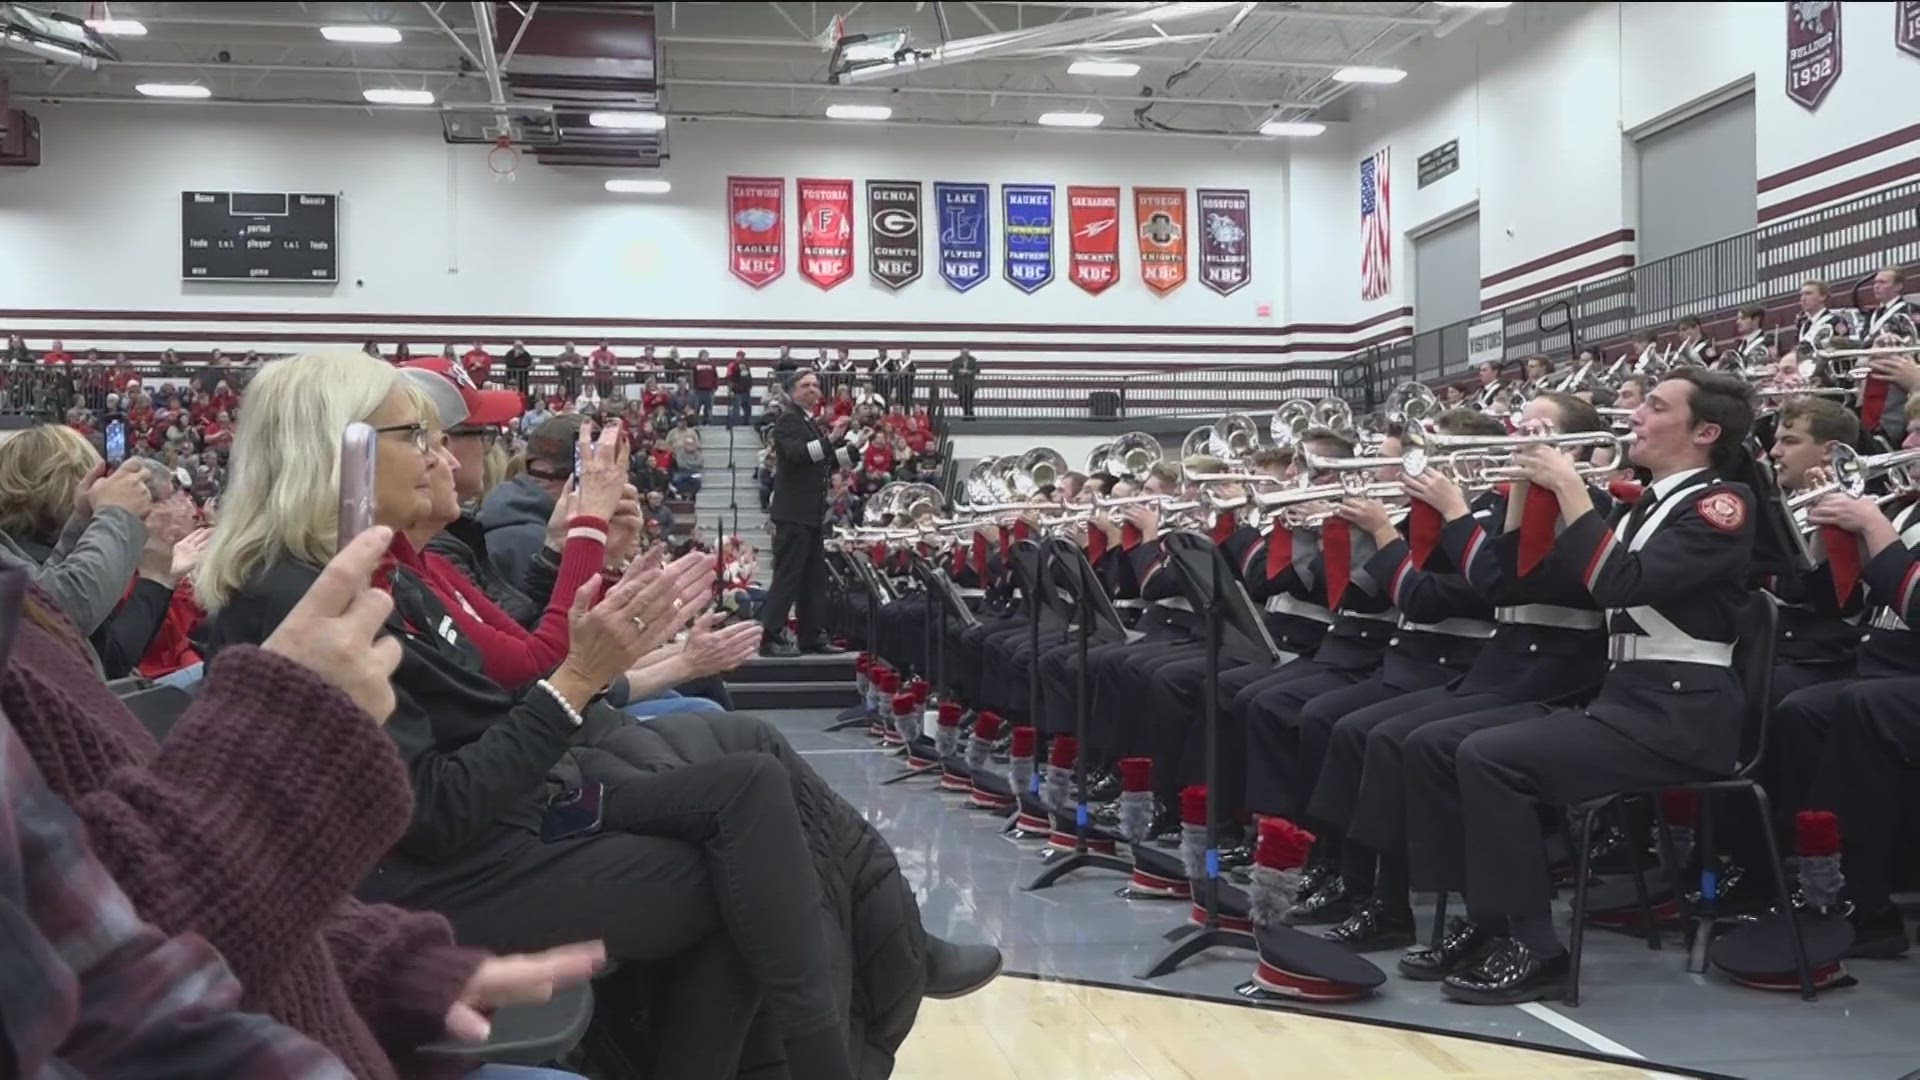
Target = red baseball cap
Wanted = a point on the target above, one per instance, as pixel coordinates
(484, 408)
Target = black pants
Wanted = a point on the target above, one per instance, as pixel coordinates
(1362, 787)
(1178, 696)
(1874, 739)
(963, 389)
(799, 580)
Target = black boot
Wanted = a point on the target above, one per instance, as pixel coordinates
(958, 970)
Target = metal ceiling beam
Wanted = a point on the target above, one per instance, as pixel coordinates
(1001, 91)
(319, 69)
(1062, 32)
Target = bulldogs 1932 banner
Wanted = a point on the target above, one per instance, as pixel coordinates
(1906, 26)
(1813, 50)
(1093, 237)
(1161, 214)
(1226, 238)
(826, 231)
(963, 233)
(893, 231)
(1028, 248)
(757, 228)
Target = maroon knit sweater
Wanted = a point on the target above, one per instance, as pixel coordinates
(273, 798)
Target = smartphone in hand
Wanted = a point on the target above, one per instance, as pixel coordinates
(116, 442)
(357, 454)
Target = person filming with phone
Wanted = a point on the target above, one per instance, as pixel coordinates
(805, 456)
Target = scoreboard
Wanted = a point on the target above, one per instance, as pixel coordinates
(259, 236)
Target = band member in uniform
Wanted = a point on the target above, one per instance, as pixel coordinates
(1891, 322)
(1817, 324)
(1643, 352)
(904, 371)
(1693, 346)
(805, 457)
(1752, 349)
(1672, 572)
(1492, 384)
(1818, 635)
(965, 373)
(1631, 392)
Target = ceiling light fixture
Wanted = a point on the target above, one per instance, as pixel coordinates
(859, 112)
(392, 96)
(118, 27)
(1369, 75)
(367, 34)
(184, 91)
(1487, 4)
(1294, 128)
(1071, 119)
(628, 121)
(639, 187)
(1111, 69)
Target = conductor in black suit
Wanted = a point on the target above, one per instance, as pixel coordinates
(804, 457)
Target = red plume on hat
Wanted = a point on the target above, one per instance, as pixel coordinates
(1020, 763)
(1024, 739)
(1280, 850)
(946, 737)
(1281, 845)
(987, 726)
(1136, 774)
(1816, 833)
(1816, 840)
(1063, 753)
(902, 704)
(1136, 798)
(1680, 808)
(1193, 805)
(949, 714)
(1193, 831)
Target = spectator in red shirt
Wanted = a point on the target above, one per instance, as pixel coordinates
(57, 355)
(122, 376)
(218, 431)
(896, 421)
(842, 404)
(478, 363)
(652, 398)
(706, 379)
(603, 362)
(223, 399)
(877, 460)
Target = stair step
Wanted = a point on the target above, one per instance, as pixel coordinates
(774, 669)
(792, 695)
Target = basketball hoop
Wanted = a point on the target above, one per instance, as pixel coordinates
(503, 159)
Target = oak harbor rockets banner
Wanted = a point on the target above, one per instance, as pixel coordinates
(1813, 50)
(1028, 245)
(826, 230)
(893, 231)
(1161, 216)
(1226, 238)
(963, 233)
(756, 228)
(1093, 237)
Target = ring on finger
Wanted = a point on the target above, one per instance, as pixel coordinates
(640, 624)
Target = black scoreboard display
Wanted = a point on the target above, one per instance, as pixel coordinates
(259, 236)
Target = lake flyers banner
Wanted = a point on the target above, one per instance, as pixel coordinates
(756, 228)
(963, 233)
(1093, 237)
(1161, 216)
(1226, 238)
(826, 231)
(1028, 245)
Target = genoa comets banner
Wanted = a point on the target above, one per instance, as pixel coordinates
(1093, 237)
(963, 233)
(1028, 249)
(1162, 217)
(1226, 238)
(893, 231)
(826, 231)
(1906, 26)
(1813, 51)
(756, 228)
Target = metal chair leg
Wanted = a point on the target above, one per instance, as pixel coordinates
(1643, 898)
(1782, 896)
(1439, 919)
(1577, 939)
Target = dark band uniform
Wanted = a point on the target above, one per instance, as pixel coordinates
(805, 458)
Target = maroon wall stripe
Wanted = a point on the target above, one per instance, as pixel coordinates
(1618, 236)
(1899, 170)
(1838, 158)
(1617, 262)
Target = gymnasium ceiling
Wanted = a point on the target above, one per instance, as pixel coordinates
(1214, 70)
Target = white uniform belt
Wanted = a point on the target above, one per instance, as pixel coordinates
(1177, 603)
(1885, 619)
(1131, 603)
(1460, 628)
(1372, 616)
(1626, 648)
(971, 594)
(1567, 618)
(1289, 604)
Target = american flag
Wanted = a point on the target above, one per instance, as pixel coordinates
(1376, 227)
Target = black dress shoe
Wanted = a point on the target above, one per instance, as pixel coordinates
(1103, 785)
(1460, 946)
(1236, 857)
(1331, 903)
(1508, 973)
(821, 647)
(779, 648)
(958, 970)
(1373, 928)
(1165, 831)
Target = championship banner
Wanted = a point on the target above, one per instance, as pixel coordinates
(1093, 237)
(963, 233)
(1028, 248)
(826, 230)
(893, 231)
(1906, 26)
(1813, 50)
(1161, 214)
(756, 228)
(1226, 238)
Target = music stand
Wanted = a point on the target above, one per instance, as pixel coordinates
(858, 715)
(943, 599)
(1076, 575)
(1217, 596)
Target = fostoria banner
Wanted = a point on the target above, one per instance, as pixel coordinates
(1160, 215)
(826, 231)
(756, 228)
(1093, 237)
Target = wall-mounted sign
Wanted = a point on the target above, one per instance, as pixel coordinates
(1487, 340)
(1813, 51)
(1442, 160)
(1906, 26)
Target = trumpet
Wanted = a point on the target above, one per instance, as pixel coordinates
(1849, 478)
(1294, 519)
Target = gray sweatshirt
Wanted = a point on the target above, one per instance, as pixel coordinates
(90, 567)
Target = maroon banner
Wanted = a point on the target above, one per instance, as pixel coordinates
(1813, 50)
(1226, 238)
(826, 231)
(1906, 26)
(1093, 237)
(757, 228)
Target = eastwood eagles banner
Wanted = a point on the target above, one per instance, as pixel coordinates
(1226, 240)
(756, 228)
(1093, 237)
(1161, 214)
(893, 231)
(826, 231)
(1028, 249)
(963, 233)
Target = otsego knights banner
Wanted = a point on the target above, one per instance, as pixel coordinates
(1161, 218)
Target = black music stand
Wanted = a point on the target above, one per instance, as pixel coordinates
(943, 599)
(1076, 575)
(862, 568)
(1207, 581)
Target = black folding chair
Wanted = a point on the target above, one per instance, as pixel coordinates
(532, 1035)
(1753, 664)
(158, 707)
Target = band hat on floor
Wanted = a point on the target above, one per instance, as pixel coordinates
(988, 790)
(1760, 954)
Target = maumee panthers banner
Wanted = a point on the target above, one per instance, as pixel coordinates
(1028, 244)
(893, 232)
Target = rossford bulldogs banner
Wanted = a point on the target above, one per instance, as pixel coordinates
(963, 233)
(826, 231)
(1161, 214)
(1028, 248)
(1093, 237)
(756, 228)
(1813, 50)
(893, 231)
(1226, 240)
(1906, 26)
